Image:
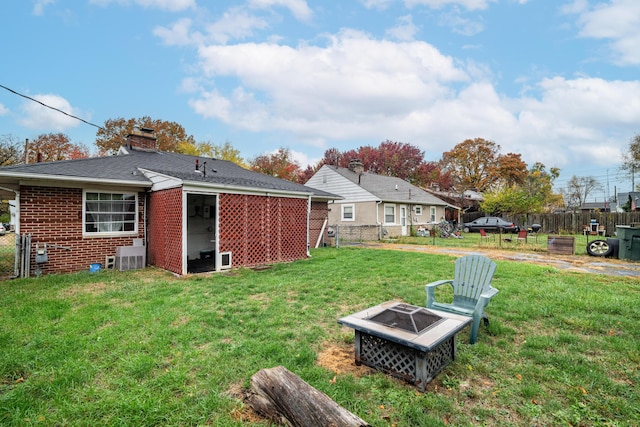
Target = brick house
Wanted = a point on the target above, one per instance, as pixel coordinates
(190, 213)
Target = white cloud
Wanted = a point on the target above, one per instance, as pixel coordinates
(38, 7)
(3, 110)
(235, 24)
(38, 117)
(357, 88)
(179, 34)
(170, 5)
(298, 8)
(617, 21)
(405, 30)
(438, 4)
(336, 89)
(460, 24)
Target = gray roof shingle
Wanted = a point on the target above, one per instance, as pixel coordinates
(389, 188)
(126, 167)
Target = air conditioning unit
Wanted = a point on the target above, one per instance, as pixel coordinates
(130, 257)
(225, 260)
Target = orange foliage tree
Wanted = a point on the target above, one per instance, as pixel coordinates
(113, 135)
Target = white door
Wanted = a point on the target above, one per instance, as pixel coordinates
(403, 219)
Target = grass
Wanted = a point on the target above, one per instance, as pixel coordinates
(148, 348)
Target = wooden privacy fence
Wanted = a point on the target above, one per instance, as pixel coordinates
(569, 223)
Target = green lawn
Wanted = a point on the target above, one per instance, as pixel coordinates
(148, 348)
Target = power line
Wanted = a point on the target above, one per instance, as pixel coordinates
(53, 108)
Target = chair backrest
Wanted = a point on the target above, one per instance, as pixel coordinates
(473, 274)
(522, 234)
(483, 233)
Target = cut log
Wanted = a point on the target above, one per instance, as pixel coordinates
(284, 398)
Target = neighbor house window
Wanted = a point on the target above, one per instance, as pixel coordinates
(110, 213)
(390, 214)
(432, 214)
(418, 210)
(347, 213)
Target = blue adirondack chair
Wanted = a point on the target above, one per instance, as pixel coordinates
(472, 290)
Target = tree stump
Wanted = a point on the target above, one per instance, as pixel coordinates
(285, 398)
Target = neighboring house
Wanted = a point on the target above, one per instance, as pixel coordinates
(368, 199)
(631, 198)
(190, 213)
(595, 207)
(468, 201)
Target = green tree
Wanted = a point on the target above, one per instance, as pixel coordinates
(535, 195)
(169, 135)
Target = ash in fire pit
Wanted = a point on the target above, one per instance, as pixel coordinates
(407, 317)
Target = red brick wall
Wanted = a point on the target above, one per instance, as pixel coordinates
(165, 229)
(262, 230)
(54, 216)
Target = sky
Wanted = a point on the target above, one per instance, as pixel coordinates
(556, 81)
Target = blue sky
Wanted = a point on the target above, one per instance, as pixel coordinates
(556, 81)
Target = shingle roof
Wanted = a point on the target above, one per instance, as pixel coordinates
(389, 188)
(126, 167)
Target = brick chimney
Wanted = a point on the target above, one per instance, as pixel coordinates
(144, 139)
(356, 166)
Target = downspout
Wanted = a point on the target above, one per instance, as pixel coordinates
(308, 226)
(378, 203)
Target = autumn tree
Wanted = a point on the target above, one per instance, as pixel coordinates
(474, 164)
(78, 151)
(511, 170)
(279, 164)
(113, 135)
(391, 158)
(11, 150)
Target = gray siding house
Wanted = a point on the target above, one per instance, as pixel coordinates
(391, 204)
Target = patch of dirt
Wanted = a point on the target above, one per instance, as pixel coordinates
(577, 263)
(340, 359)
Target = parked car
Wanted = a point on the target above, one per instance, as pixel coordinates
(490, 223)
(2, 230)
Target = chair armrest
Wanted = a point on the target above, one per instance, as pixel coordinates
(489, 293)
(438, 283)
(431, 287)
(484, 299)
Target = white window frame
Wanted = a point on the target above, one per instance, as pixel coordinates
(433, 214)
(418, 209)
(353, 212)
(107, 209)
(384, 213)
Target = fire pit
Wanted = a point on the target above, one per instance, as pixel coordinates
(406, 341)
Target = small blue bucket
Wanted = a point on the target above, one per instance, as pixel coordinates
(94, 268)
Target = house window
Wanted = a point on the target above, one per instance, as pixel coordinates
(348, 213)
(390, 214)
(110, 213)
(418, 209)
(432, 214)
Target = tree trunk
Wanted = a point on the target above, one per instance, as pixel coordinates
(284, 398)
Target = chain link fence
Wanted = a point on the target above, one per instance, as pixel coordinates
(345, 235)
(8, 256)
